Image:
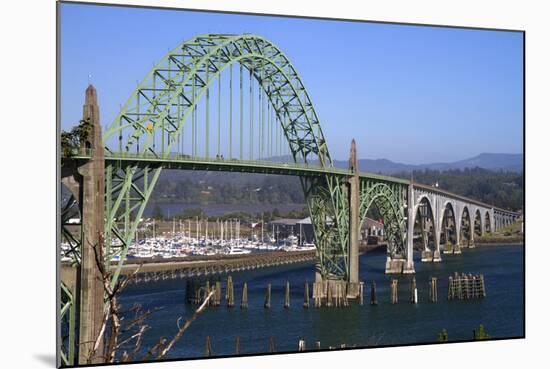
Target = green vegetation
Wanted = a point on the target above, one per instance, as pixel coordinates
(502, 189)
(70, 141)
(443, 336)
(225, 188)
(510, 232)
(480, 334)
(240, 215)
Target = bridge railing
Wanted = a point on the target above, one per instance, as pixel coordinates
(177, 157)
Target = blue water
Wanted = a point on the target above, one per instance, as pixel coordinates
(501, 312)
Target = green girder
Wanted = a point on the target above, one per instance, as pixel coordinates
(390, 198)
(152, 119)
(67, 316)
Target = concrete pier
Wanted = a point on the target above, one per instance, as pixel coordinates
(396, 265)
(93, 220)
(353, 197)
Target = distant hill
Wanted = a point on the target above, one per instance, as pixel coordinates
(493, 178)
(495, 162)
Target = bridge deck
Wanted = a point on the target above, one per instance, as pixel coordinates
(186, 162)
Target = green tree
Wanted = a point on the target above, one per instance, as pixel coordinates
(443, 336)
(480, 334)
(70, 141)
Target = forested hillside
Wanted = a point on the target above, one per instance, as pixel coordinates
(502, 189)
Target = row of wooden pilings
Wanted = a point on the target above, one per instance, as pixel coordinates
(336, 293)
(331, 294)
(460, 287)
(466, 286)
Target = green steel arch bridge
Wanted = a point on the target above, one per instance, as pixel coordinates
(221, 102)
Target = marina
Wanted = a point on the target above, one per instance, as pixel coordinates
(203, 238)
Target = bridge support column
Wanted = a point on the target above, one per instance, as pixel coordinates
(93, 220)
(353, 201)
(409, 265)
(471, 243)
(437, 237)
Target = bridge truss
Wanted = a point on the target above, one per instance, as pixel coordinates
(170, 111)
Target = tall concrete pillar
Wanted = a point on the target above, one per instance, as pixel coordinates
(353, 198)
(409, 266)
(437, 240)
(472, 227)
(93, 220)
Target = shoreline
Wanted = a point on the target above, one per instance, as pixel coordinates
(506, 240)
(518, 242)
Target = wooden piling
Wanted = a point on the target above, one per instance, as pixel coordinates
(329, 295)
(361, 286)
(208, 347)
(433, 289)
(345, 296)
(237, 345)
(466, 286)
(373, 300)
(287, 295)
(306, 296)
(414, 291)
(218, 294)
(471, 291)
(317, 345)
(206, 292)
(267, 302)
(230, 292)
(393, 290)
(482, 285)
(317, 294)
(271, 347)
(197, 298)
(244, 298)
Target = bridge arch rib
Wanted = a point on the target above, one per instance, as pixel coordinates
(153, 118)
(187, 73)
(448, 211)
(426, 217)
(388, 198)
(478, 222)
(487, 222)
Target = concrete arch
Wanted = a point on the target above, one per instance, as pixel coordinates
(487, 224)
(466, 213)
(448, 205)
(432, 216)
(418, 201)
(477, 215)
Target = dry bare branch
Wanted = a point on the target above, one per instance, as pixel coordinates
(182, 330)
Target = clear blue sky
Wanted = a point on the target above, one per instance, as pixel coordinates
(407, 93)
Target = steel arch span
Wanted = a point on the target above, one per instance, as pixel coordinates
(153, 118)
